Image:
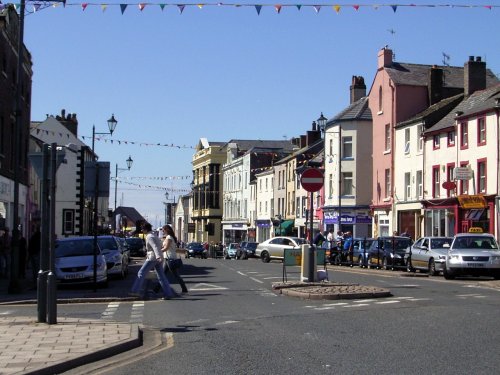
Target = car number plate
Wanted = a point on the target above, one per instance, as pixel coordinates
(74, 276)
(475, 265)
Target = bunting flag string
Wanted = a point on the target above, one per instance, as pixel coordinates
(337, 7)
(160, 178)
(152, 187)
(135, 143)
(37, 131)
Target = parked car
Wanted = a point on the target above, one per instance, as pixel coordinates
(247, 251)
(230, 250)
(360, 248)
(388, 252)
(116, 254)
(428, 254)
(474, 254)
(74, 261)
(195, 249)
(273, 247)
(136, 246)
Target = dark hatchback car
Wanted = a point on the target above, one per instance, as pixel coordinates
(388, 252)
(136, 246)
(195, 249)
(247, 250)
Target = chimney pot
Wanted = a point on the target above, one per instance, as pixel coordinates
(471, 58)
(478, 58)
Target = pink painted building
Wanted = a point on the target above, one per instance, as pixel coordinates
(399, 92)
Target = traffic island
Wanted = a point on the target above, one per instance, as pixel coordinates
(329, 290)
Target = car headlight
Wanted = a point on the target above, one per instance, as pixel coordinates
(495, 259)
(454, 258)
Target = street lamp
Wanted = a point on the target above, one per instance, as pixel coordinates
(167, 204)
(129, 162)
(321, 122)
(111, 126)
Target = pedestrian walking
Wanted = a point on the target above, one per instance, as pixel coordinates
(23, 255)
(154, 260)
(173, 263)
(34, 254)
(5, 254)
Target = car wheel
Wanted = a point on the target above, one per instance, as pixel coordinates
(265, 257)
(385, 266)
(447, 274)
(432, 268)
(409, 267)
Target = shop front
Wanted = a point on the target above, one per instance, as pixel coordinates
(459, 215)
(234, 232)
(263, 230)
(358, 222)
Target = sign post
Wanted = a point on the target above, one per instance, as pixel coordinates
(312, 180)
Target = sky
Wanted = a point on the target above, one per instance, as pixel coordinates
(225, 72)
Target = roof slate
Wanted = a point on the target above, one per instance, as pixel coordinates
(478, 102)
(434, 113)
(418, 75)
(358, 110)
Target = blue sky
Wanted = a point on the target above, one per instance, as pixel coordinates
(224, 72)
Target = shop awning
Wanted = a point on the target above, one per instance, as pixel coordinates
(285, 228)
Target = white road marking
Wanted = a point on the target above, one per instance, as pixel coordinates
(227, 322)
(110, 310)
(256, 280)
(386, 302)
(137, 312)
(241, 273)
(357, 305)
(204, 287)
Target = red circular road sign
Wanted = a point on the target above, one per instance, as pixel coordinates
(312, 179)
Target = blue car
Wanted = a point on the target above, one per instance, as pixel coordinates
(230, 251)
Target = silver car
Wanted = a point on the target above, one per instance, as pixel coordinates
(428, 254)
(75, 261)
(274, 247)
(116, 254)
(474, 254)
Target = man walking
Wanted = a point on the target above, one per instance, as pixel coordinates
(154, 259)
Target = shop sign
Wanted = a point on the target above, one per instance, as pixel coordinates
(472, 201)
(462, 173)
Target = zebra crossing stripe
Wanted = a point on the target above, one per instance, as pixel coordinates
(137, 312)
(110, 311)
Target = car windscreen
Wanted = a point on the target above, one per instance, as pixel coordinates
(74, 248)
(251, 245)
(107, 243)
(475, 242)
(397, 244)
(439, 243)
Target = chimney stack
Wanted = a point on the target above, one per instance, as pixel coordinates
(435, 85)
(384, 58)
(474, 75)
(358, 88)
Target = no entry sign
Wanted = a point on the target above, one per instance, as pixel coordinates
(312, 179)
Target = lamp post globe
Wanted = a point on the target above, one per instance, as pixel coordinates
(112, 124)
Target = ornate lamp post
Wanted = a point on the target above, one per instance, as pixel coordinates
(129, 162)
